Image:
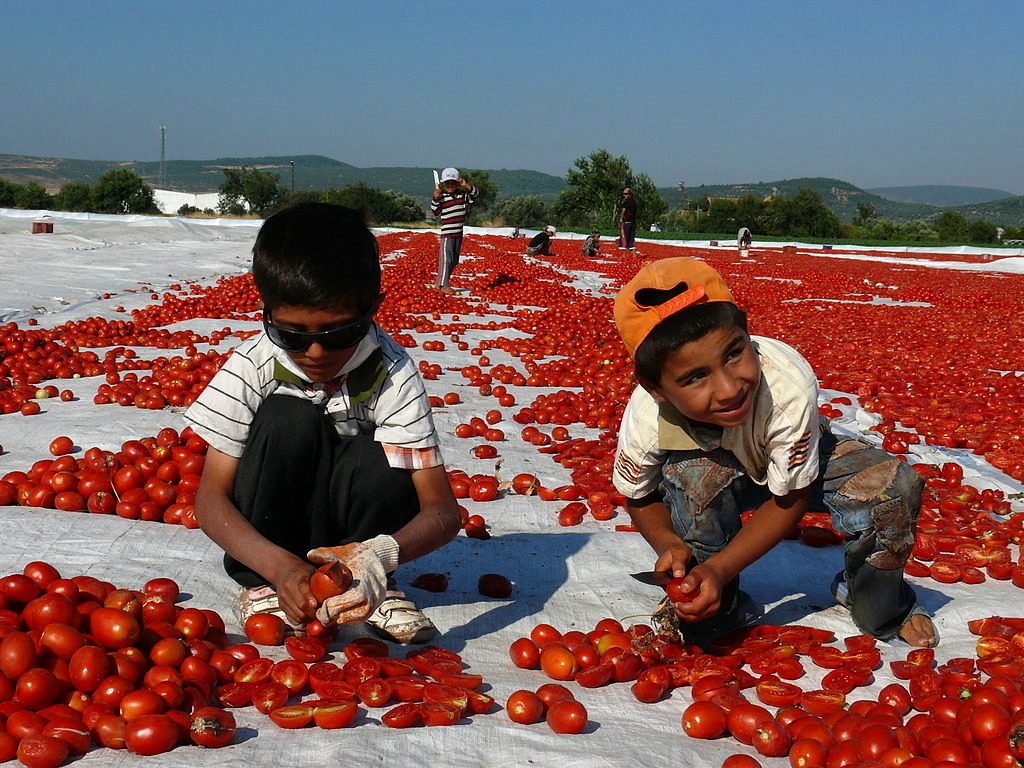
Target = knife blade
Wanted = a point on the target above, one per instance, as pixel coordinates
(656, 578)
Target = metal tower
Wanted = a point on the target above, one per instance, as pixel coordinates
(163, 157)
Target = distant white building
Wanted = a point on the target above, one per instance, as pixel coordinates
(169, 202)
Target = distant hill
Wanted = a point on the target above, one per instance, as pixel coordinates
(841, 196)
(944, 196)
(316, 172)
(312, 172)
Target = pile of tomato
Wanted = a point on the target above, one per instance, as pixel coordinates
(967, 711)
(150, 478)
(85, 664)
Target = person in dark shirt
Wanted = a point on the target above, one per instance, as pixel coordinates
(540, 244)
(627, 221)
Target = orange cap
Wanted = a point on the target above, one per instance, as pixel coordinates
(660, 289)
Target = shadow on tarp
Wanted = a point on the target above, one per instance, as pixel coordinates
(809, 571)
(538, 564)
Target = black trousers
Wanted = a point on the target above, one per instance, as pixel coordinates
(302, 485)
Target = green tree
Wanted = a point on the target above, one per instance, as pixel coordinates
(369, 201)
(650, 205)
(123, 191)
(865, 213)
(982, 231)
(593, 192)
(951, 227)
(7, 193)
(523, 211)
(593, 195)
(377, 207)
(488, 192)
(74, 196)
(751, 212)
(249, 189)
(721, 216)
(405, 207)
(802, 215)
(32, 196)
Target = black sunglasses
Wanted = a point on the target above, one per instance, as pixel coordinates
(343, 337)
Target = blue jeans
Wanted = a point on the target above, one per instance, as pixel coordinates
(627, 236)
(873, 498)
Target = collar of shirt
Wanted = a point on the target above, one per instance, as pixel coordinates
(365, 348)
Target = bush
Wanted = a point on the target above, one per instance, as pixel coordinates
(527, 211)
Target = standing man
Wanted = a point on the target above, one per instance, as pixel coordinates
(627, 221)
(452, 197)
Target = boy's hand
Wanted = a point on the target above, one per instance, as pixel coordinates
(676, 559)
(706, 583)
(294, 594)
(369, 562)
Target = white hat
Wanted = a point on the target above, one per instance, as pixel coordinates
(450, 174)
(551, 229)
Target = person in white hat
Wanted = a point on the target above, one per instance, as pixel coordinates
(451, 200)
(540, 244)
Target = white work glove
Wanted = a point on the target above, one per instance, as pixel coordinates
(370, 562)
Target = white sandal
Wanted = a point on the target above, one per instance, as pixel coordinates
(399, 620)
(258, 600)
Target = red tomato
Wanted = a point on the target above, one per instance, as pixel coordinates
(494, 585)
(674, 590)
(402, 716)
(558, 662)
(704, 720)
(437, 713)
(524, 707)
(268, 696)
(740, 761)
(431, 582)
(292, 716)
(265, 629)
(62, 446)
(162, 587)
(150, 735)
(567, 717)
(113, 628)
(330, 580)
(212, 727)
(305, 649)
(330, 714)
(42, 751)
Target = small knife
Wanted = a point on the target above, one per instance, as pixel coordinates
(657, 578)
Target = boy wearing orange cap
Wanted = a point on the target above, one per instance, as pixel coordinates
(725, 422)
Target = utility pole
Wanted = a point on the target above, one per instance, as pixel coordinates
(163, 157)
(293, 177)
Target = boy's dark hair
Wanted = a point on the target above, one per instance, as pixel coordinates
(317, 255)
(681, 328)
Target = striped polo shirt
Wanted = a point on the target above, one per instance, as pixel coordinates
(777, 445)
(453, 209)
(381, 394)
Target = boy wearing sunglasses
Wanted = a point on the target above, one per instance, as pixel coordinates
(322, 443)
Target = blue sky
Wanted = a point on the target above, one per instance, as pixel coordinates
(874, 93)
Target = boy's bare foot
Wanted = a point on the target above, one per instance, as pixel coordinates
(919, 631)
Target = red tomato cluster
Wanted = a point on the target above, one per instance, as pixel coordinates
(152, 478)
(960, 717)
(84, 663)
(965, 534)
(552, 702)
